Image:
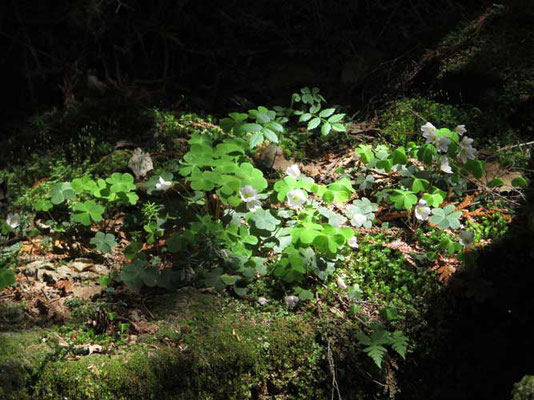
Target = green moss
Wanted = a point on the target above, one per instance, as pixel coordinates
(383, 274)
(22, 355)
(207, 348)
(168, 124)
(402, 121)
(114, 162)
(524, 389)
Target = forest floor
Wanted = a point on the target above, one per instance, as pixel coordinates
(412, 311)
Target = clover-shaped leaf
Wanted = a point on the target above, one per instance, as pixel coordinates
(251, 176)
(121, 182)
(326, 243)
(229, 279)
(86, 184)
(399, 156)
(365, 182)
(137, 274)
(213, 278)
(403, 199)
(365, 152)
(282, 187)
(475, 167)
(265, 220)
(338, 192)
(104, 242)
(292, 267)
(419, 185)
(203, 180)
(42, 205)
(435, 198)
(446, 217)
(233, 118)
(229, 147)
(60, 192)
(87, 211)
(334, 219)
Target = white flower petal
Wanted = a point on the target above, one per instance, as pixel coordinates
(163, 185)
(293, 171)
(341, 283)
(253, 205)
(358, 220)
(467, 151)
(248, 193)
(466, 142)
(442, 143)
(422, 211)
(13, 220)
(444, 165)
(296, 198)
(429, 132)
(460, 130)
(353, 242)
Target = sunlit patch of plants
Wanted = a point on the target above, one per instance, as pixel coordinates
(235, 226)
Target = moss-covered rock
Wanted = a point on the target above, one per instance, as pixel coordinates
(207, 347)
(22, 356)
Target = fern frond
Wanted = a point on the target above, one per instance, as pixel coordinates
(376, 352)
(399, 343)
(374, 345)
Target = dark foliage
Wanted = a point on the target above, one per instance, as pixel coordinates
(208, 50)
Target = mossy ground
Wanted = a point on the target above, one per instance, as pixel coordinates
(207, 347)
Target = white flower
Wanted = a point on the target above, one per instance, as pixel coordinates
(422, 211)
(291, 301)
(163, 184)
(460, 130)
(467, 238)
(253, 205)
(248, 194)
(353, 242)
(296, 198)
(262, 300)
(13, 220)
(341, 283)
(466, 142)
(467, 151)
(358, 220)
(442, 143)
(293, 171)
(429, 132)
(445, 167)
